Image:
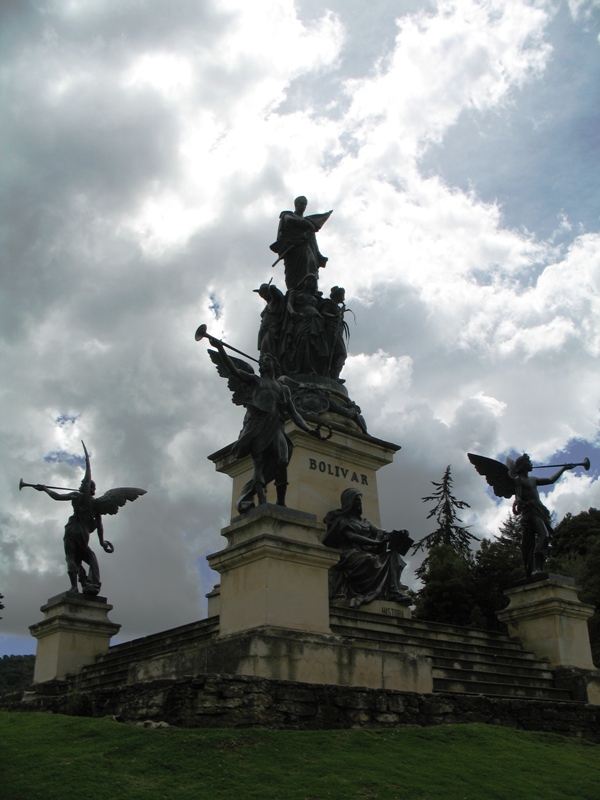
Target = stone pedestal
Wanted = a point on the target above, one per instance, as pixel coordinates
(273, 597)
(548, 617)
(320, 471)
(274, 572)
(74, 632)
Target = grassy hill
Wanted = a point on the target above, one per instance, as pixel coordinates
(47, 757)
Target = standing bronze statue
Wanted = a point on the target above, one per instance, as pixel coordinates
(271, 319)
(297, 243)
(513, 479)
(267, 400)
(332, 309)
(85, 519)
(304, 341)
(371, 563)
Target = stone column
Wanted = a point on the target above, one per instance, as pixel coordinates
(548, 617)
(274, 572)
(75, 631)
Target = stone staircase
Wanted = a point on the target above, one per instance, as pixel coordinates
(464, 660)
(113, 669)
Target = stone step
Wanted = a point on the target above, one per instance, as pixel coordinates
(458, 631)
(169, 640)
(451, 649)
(498, 689)
(533, 669)
(182, 633)
(101, 680)
(464, 660)
(458, 674)
(433, 630)
(112, 668)
(524, 673)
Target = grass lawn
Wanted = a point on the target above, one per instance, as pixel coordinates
(47, 757)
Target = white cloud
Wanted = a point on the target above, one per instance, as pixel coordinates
(149, 155)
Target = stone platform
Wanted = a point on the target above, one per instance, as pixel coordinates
(452, 659)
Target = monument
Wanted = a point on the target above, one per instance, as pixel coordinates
(292, 553)
(310, 583)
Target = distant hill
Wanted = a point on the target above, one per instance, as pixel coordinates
(16, 672)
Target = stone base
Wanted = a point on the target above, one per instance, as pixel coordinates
(237, 701)
(75, 631)
(546, 614)
(279, 654)
(583, 684)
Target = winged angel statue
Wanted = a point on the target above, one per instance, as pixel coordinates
(513, 479)
(88, 511)
(266, 400)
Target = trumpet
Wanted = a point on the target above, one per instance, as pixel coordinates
(585, 464)
(201, 333)
(35, 486)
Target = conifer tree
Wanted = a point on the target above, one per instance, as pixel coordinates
(447, 592)
(510, 533)
(449, 530)
(498, 563)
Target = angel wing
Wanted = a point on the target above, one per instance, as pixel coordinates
(114, 499)
(242, 391)
(495, 473)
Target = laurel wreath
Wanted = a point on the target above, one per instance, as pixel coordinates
(329, 431)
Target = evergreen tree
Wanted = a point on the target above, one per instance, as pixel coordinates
(575, 552)
(16, 672)
(447, 594)
(511, 534)
(575, 534)
(498, 564)
(448, 532)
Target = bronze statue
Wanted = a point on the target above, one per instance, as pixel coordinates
(513, 479)
(87, 518)
(297, 244)
(271, 319)
(371, 563)
(332, 310)
(266, 400)
(304, 341)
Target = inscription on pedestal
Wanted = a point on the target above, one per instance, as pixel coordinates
(391, 612)
(338, 472)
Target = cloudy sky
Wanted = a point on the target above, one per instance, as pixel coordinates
(147, 150)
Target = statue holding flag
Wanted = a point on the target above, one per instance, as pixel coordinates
(297, 243)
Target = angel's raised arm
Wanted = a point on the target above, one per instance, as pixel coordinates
(229, 364)
(54, 495)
